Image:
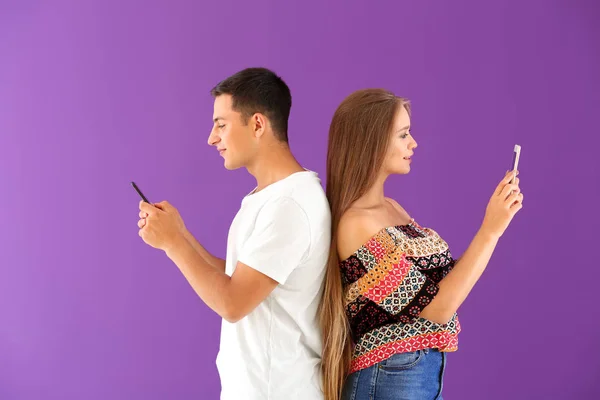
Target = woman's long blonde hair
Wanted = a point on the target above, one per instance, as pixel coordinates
(359, 136)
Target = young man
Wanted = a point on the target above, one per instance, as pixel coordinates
(268, 288)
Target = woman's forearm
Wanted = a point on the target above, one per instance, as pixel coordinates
(456, 286)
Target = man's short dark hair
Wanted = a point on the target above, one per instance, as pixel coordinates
(259, 90)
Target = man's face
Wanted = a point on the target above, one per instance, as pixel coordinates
(231, 135)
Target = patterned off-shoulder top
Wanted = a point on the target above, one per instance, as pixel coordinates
(387, 283)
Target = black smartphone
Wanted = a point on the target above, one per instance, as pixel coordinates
(137, 189)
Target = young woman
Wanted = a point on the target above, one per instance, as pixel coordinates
(392, 288)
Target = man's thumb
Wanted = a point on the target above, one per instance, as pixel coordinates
(160, 206)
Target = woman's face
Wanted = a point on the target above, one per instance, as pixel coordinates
(402, 145)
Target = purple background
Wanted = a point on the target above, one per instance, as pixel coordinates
(95, 94)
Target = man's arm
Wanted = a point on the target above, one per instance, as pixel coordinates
(216, 262)
(231, 297)
(267, 258)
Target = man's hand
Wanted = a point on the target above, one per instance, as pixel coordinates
(160, 225)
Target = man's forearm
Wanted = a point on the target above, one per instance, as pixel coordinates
(210, 283)
(216, 262)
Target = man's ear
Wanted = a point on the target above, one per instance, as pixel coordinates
(259, 124)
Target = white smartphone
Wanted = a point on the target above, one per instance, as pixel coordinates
(515, 160)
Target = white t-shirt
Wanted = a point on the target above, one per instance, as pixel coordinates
(274, 353)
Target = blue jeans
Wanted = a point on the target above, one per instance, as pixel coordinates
(405, 376)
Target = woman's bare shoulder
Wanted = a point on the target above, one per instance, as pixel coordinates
(355, 229)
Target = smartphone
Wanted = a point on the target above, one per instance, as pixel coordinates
(515, 160)
(137, 189)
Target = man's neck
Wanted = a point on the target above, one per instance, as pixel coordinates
(273, 165)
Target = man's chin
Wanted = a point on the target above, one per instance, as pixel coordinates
(231, 167)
